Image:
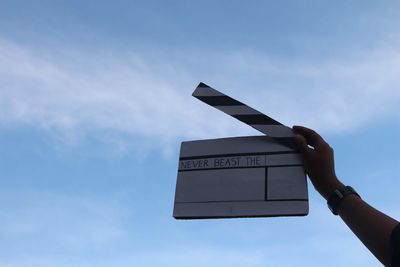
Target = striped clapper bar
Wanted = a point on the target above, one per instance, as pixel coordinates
(251, 176)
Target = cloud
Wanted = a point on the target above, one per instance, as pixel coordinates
(79, 94)
(54, 229)
(331, 94)
(58, 222)
(76, 93)
(64, 230)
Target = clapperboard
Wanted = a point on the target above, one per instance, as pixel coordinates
(250, 176)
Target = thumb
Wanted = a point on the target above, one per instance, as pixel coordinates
(302, 145)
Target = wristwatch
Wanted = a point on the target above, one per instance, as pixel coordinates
(337, 195)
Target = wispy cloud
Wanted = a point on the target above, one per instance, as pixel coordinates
(75, 92)
(61, 230)
(71, 223)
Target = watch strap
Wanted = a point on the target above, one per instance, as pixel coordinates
(336, 197)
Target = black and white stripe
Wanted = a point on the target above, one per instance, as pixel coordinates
(259, 121)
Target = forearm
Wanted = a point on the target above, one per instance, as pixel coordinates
(371, 226)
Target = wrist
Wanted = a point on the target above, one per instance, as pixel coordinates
(329, 187)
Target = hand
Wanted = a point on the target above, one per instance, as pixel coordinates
(318, 160)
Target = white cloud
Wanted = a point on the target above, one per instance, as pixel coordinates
(79, 93)
(75, 93)
(61, 230)
(332, 94)
(59, 222)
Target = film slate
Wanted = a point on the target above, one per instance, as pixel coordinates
(251, 176)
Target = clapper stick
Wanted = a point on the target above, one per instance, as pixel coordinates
(259, 121)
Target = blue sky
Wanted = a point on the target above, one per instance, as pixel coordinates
(95, 98)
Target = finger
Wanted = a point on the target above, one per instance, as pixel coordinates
(311, 136)
(302, 146)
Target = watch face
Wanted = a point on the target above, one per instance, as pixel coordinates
(334, 199)
(338, 193)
